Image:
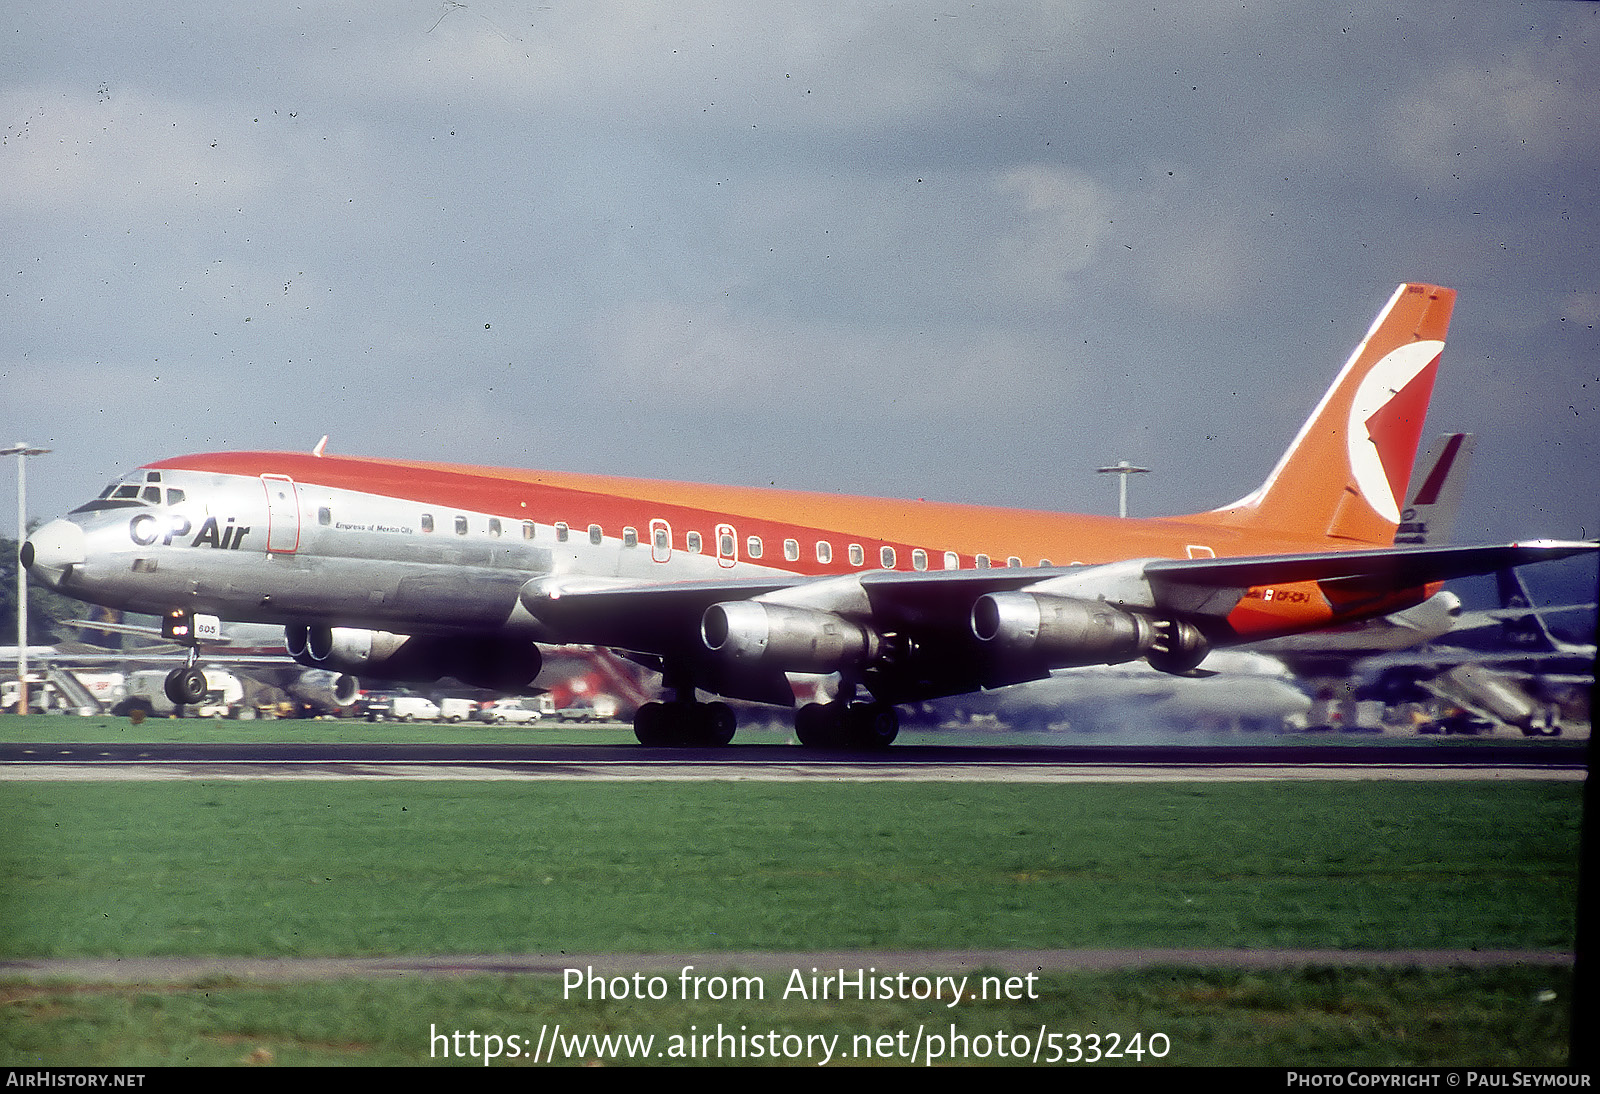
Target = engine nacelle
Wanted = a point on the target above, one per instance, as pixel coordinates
(492, 663)
(750, 633)
(326, 690)
(353, 649)
(1063, 631)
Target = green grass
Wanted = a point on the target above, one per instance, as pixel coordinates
(397, 867)
(1309, 1018)
(394, 867)
(36, 728)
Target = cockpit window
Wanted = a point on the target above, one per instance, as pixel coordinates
(131, 494)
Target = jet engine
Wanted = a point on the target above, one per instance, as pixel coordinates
(325, 690)
(495, 664)
(753, 634)
(1063, 632)
(491, 663)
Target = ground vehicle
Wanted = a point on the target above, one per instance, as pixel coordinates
(413, 708)
(502, 711)
(380, 706)
(146, 691)
(585, 712)
(457, 710)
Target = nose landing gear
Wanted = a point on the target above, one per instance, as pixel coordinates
(187, 686)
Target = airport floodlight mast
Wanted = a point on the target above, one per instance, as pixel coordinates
(1122, 469)
(22, 452)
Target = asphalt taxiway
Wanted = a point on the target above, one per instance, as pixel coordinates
(1562, 761)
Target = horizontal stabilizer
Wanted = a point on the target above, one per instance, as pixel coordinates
(1400, 567)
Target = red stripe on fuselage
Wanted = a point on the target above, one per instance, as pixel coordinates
(613, 503)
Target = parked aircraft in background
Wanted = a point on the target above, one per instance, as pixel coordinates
(1234, 689)
(413, 571)
(1502, 667)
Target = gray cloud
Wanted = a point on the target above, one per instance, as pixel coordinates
(968, 254)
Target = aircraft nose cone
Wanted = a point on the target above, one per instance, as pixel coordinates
(52, 550)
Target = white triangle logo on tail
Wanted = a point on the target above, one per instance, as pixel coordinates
(1381, 404)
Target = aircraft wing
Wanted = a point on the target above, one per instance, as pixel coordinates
(795, 618)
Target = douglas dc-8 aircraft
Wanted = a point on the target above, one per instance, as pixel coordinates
(415, 571)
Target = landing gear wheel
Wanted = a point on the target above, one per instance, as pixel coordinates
(717, 724)
(650, 725)
(872, 725)
(685, 724)
(820, 725)
(186, 686)
(846, 725)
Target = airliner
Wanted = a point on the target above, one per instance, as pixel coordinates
(413, 571)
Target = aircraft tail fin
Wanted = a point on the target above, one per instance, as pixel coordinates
(1343, 478)
(1429, 517)
(1521, 626)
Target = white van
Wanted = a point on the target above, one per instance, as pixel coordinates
(413, 708)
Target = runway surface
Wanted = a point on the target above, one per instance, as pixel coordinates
(955, 763)
(157, 970)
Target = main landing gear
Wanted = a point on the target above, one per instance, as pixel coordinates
(677, 723)
(841, 724)
(682, 721)
(846, 725)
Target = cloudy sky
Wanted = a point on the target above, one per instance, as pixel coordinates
(944, 250)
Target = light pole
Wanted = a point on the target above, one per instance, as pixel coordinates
(1122, 469)
(22, 452)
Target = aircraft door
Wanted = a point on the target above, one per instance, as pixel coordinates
(283, 514)
(660, 541)
(727, 545)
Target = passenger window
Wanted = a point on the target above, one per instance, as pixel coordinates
(791, 550)
(919, 559)
(494, 527)
(527, 529)
(461, 526)
(886, 557)
(952, 561)
(725, 546)
(561, 532)
(857, 555)
(824, 552)
(595, 535)
(753, 546)
(691, 543)
(427, 522)
(1014, 563)
(980, 562)
(662, 540)
(630, 537)
(324, 516)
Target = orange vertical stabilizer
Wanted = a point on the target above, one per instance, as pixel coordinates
(1344, 478)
